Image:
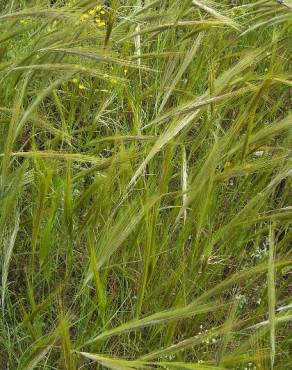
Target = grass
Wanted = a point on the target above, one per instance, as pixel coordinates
(145, 184)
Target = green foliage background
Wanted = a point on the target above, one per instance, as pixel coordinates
(145, 184)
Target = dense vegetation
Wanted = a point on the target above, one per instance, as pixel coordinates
(145, 184)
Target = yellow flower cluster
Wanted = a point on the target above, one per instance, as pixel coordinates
(95, 10)
(84, 17)
(53, 26)
(97, 13)
(237, 11)
(80, 85)
(99, 22)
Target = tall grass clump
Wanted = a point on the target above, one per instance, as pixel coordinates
(145, 184)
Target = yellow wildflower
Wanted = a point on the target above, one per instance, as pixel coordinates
(84, 17)
(99, 22)
(75, 80)
(125, 71)
(81, 87)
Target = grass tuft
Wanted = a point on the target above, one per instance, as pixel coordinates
(145, 184)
